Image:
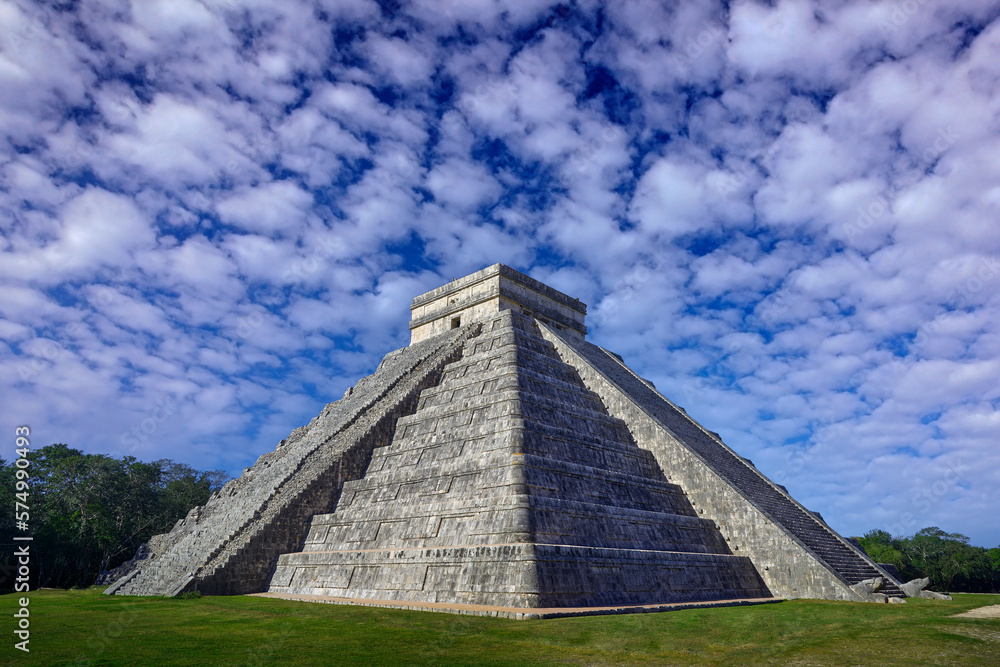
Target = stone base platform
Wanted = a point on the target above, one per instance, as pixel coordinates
(518, 613)
(520, 575)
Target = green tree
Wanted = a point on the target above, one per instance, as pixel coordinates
(181, 487)
(89, 507)
(947, 559)
(982, 577)
(90, 512)
(993, 558)
(881, 547)
(941, 556)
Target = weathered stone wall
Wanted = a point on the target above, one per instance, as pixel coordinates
(480, 295)
(246, 564)
(795, 554)
(511, 456)
(224, 544)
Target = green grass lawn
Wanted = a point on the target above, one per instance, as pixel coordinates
(86, 628)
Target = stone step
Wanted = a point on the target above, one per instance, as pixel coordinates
(739, 472)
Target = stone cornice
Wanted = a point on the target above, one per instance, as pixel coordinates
(507, 272)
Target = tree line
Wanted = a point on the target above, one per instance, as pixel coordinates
(90, 512)
(951, 563)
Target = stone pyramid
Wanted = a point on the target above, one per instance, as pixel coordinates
(502, 461)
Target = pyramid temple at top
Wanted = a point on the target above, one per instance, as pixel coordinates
(503, 461)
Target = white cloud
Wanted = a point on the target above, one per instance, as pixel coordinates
(462, 184)
(781, 213)
(405, 62)
(95, 229)
(266, 208)
(671, 199)
(179, 143)
(170, 18)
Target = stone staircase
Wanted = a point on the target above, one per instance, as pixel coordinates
(230, 545)
(802, 524)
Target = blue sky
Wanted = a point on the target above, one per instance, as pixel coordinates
(215, 214)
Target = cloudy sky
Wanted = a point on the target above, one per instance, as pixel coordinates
(215, 213)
